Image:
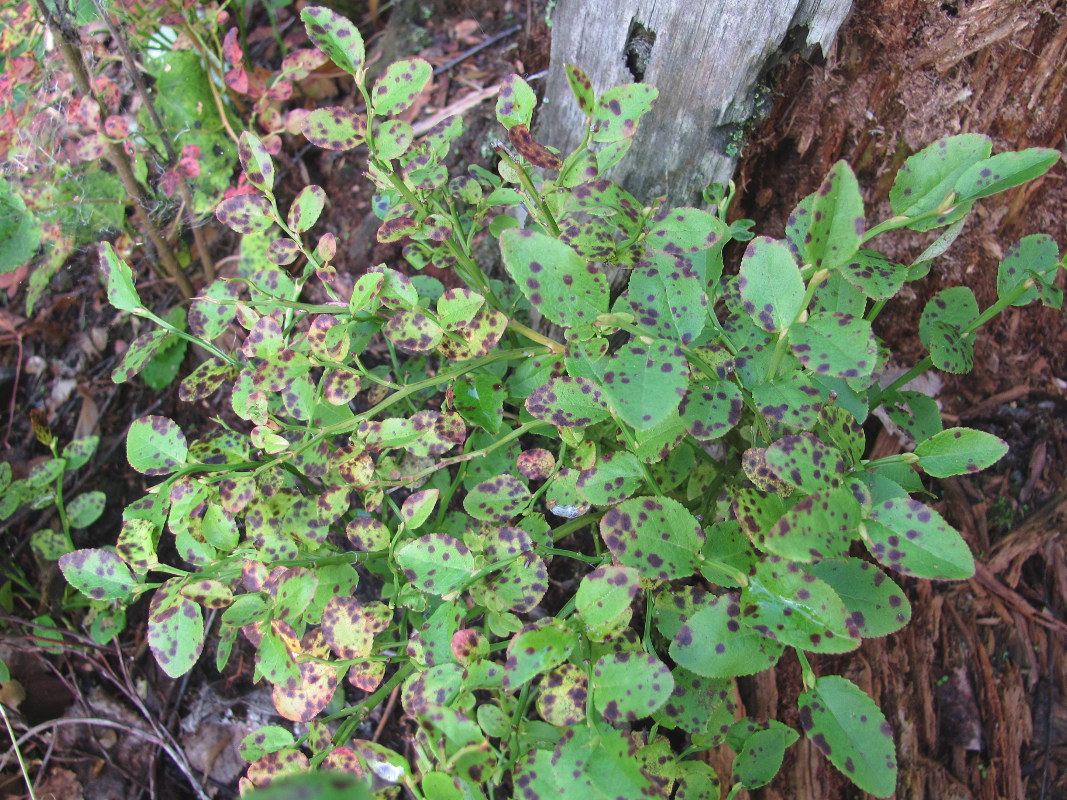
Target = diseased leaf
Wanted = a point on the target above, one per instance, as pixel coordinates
(913, 539)
(876, 605)
(1003, 171)
(155, 446)
(98, 574)
(336, 37)
(772, 291)
(713, 642)
(850, 730)
(630, 686)
(399, 86)
(436, 563)
(958, 451)
(515, 102)
(837, 220)
(927, 178)
(655, 535)
(497, 500)
(619, 110)
(175, 629)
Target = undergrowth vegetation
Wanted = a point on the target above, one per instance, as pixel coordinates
(561, 544)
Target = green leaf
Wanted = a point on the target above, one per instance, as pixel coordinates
(256, 162)
(604, 599)
(835, 344)
(958, 451)
(1034, 257)
(436, 563)
(537, 649)
(121, 293)
(803, 461)
(644, 383)
(155, 446)
(335, 128)
(568, 403)
(620, 109)
(655, 535)
(876, 605)
(789, 605)
(1003, 171)
(714, 644)
(175, 629)
(336, 37)
(630, 686)
(913, 539)
(306, 208)
(927, 178)
(399, 86)
(850, 730)
(772, 291)
(20, 232)
(267, 739)
(245, 213)
(874, 274)
(941, 326)
(559, 283)
(139, 353)
(85, 509)
(615, 477)
(413, 332)
(760, 756)
(667, 297)
(684, 230)
(821, 525)
(497, 500)
(418, 507)
(837, 220)
(98, 574)
(479, 399)
(582, 88)
(515, 103)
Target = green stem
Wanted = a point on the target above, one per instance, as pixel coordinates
(357, 713)
(539, 208)
(807, 673)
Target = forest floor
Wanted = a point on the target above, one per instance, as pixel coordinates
(974, 687)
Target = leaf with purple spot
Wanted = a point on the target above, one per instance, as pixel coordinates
(497, 499)
(630, 686)
(392, 138)
(245, 213)
(399, 86)
(214, 309)
(941, 329)
(335, 128)
(710, 410)
(684, 230)
(876, 605)
(155, 446)
(959, 451)
(619, 110)
(562, 696)
(714, 644)
(568, 403)
(644, 383)
(559, 283)
(436, 564)
(118, 278)
(256, 162)
(667, 297)
(772, 290)
(803, 461)
(913, 539)
(821, 525)
(479, 399)
(604, 599)
(418, 507)
(306, 208)
(582, 88)
(413, 332)
(614, 477)
(1005, 171)
(791, 606)
(519, 586)
(140, 352)
(837, 223)
(655, 535)
(303, 699)
(928, 177)
(1034, 258)
(175, 629)
(336, 37)
(536, 649)
(835, 344)
(516, 102)
(98, 574)
(850, 730)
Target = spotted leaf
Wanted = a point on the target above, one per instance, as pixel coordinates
(710, 410)
(392, 138)
(306, 208)
(559, 283)
(519, 586)
(941, 329)
(803, 461)
(436, 563)
(630, 686)
(336, 37)
(668, 298)
(821, 525)
(615, 477)
(785, 603)
(837, 221)
(479, 398)
(535, 650)
(118, 278)
(245, 213)
(928, 178)
(874, 274)
(349, 628)
(772, 291)
(175, 629)
(85, 509)
(399, 86)
(418, 507)
(206, 379)
(876, 605)
(1034, 257)
(568, 403)
(655, 535)
(913, 539)
(1004, 171)
(850, 730)
(139, 353)
(155, 446)
(413, 332)
(959, 451)
(644, 383)
(497, 500)
(835, 344)
(582, 88)
(515, 103)
(714, 644)
(302, 699)
(563, 694)
(98, 574)
(208, 593)
(685, 230)
(619, 110)
(212, 312)
(256, 162)
(603, 600)
(335, 128)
